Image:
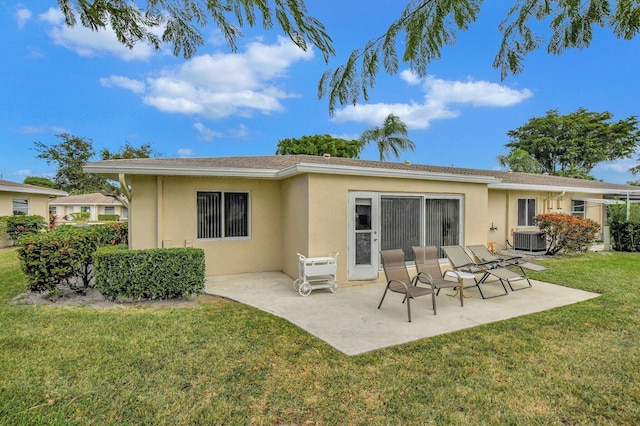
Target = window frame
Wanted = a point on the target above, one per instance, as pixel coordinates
(112, 208)
(224, 213)
(527, 216)
(19, 209)
(424, 196)
(583, 208)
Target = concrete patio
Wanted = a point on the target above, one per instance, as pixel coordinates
(350, 322)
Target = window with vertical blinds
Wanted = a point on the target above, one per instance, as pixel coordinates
(526, 211)
(222, 214)
(404, 223)
(442, 222)
(400, 224)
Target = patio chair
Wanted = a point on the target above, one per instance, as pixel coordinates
(460, 261)
(429, 272)
(482, 254)
(398, 280)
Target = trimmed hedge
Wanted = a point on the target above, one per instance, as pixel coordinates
(109, 217)
(80, 216)
(64, 255)
(149, 274)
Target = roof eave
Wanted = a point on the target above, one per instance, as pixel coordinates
(42, 191)
(296, 169)
(556, 188)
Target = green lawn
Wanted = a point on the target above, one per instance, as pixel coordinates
(225, 363)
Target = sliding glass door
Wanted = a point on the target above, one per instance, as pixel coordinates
(390, 221)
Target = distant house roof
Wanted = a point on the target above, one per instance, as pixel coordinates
(86, 199)
(282, 166)
(8, 186)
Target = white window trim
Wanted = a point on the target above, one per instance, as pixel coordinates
(223, 191)
(13, 209)
(528, 225)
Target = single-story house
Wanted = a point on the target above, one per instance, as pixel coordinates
(95, 204)
(19, 198)
(253, 214)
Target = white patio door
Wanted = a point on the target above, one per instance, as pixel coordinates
(364, 243)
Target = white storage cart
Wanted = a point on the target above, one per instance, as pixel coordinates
(315, 273)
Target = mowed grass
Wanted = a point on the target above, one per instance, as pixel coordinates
(225, 363)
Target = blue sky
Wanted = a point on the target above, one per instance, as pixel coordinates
(58, 79)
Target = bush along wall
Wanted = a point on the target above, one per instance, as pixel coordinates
(566, 233)
(20, 225)
(109, 217)
(149, 274)
(64, 255)
(625, 236)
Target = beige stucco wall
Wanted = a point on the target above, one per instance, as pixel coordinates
(294, 222)
(503, 211)
(38, 203)
(306, 214)
(328, 209)
(173, 223)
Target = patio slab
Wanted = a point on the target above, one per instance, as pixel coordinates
(350, 321)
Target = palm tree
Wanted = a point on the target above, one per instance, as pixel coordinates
(391, 137)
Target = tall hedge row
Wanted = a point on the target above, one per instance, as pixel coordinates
(64, 255)
(149, 274)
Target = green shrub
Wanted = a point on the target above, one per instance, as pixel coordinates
(80, 216)
(625, 236)
(64, 255)
(618, 213)
(149, 274)
(3, 225)
(20, 225)
(109, 217)
(565, 232)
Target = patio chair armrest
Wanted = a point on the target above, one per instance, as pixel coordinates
(406, 288)
(425, 278)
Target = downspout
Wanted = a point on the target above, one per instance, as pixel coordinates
(127, 193)
(159, 217)
(628, 207)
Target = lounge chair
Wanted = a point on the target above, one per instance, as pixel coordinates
(482, 254)
(398, 280)
(460, 261)
(429, 272)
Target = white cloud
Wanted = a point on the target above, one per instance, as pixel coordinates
(86, 42)
(439, 97)
(206, 133)
(24, 173)
(184, 152)
(241, 132)
(22, 16)
(136, 86)
(43, 129)
(221, 85)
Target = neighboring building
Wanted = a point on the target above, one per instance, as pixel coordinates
(254, 214)
(95, 204)
(19, 198)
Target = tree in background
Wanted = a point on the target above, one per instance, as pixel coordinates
(573, 144)
(424, 28)
(319, 145)
(72, 153)
(129, 151)
(69, 155)
(40, 181)
(390, 137)
(519, 160)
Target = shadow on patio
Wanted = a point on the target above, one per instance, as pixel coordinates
(350, 321)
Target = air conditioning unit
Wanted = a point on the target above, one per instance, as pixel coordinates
(529, 241)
